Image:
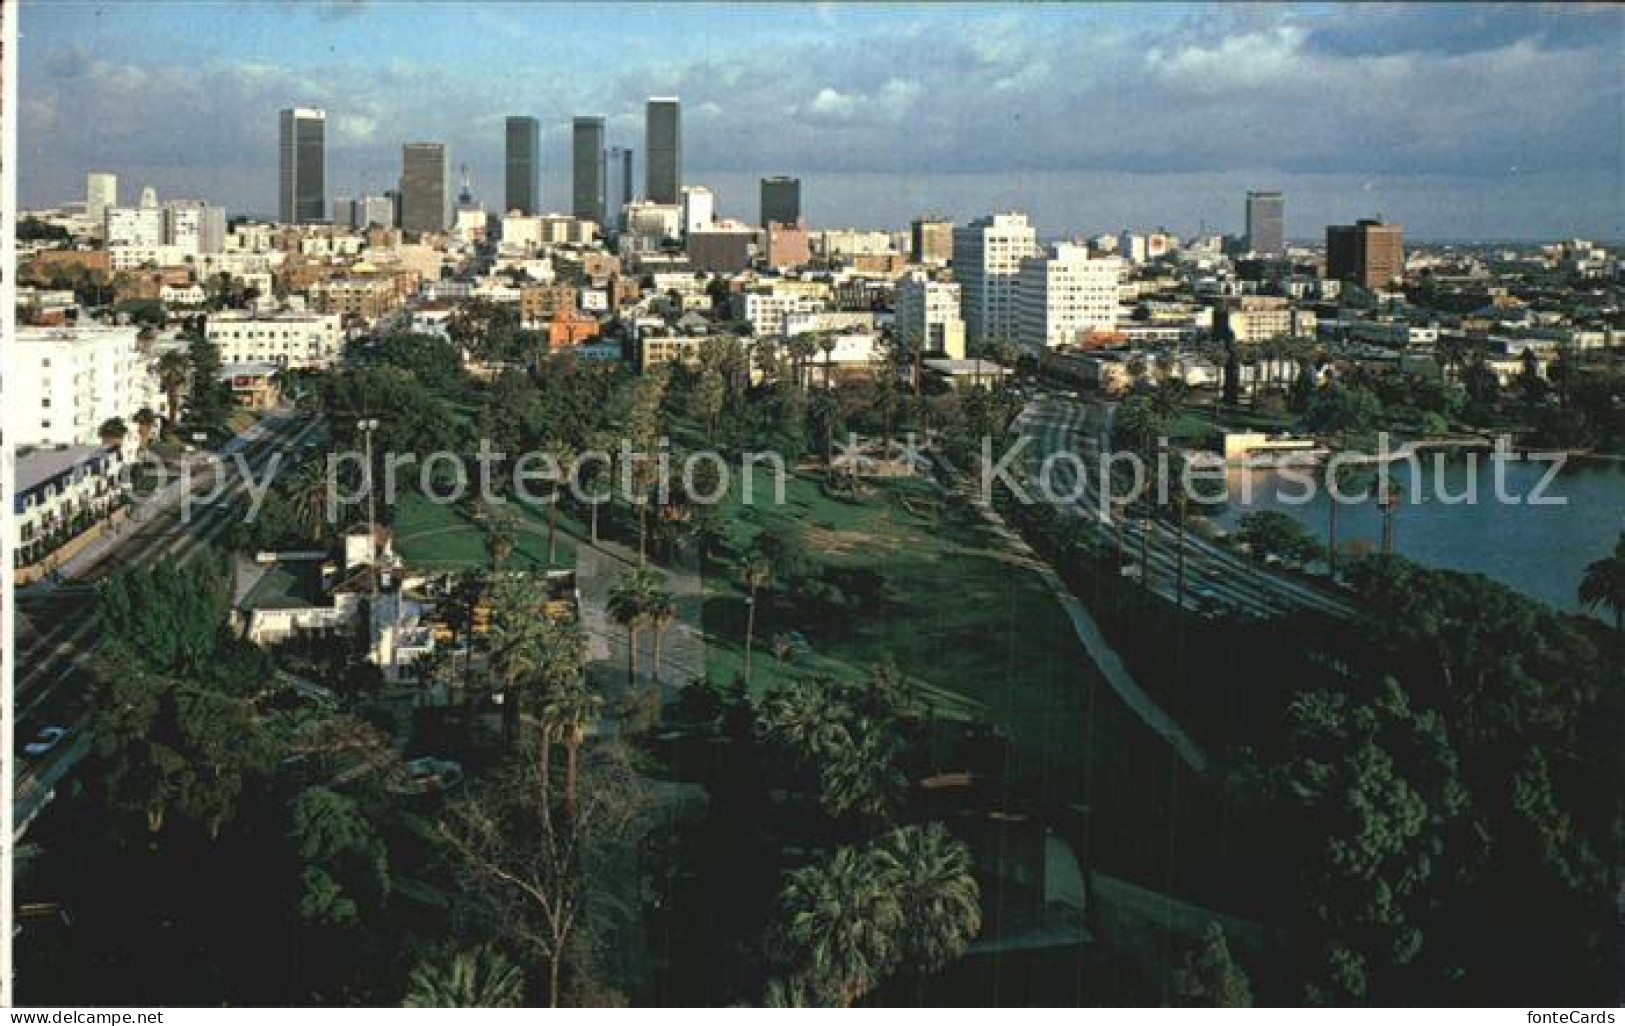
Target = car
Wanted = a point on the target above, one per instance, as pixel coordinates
(47, 739)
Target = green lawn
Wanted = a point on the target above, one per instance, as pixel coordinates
(436, 537)
(978, 632)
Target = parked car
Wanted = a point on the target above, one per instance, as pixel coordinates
(47, 739)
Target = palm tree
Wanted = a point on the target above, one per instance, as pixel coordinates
(1603, 586)
(929, 871)
(628, 606)
(756, 574)
(308, 494)
(661, 614)
(174, 371)
(1338, 477)
(565, 459)
(479, 978)
(1390, 493)
(518, 640)
(567, 713)
(843, 925)
(113, 432)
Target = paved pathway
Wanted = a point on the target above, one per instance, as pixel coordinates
(682, 652)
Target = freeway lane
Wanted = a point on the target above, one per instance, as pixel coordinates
(1225, 578)
(57, 629)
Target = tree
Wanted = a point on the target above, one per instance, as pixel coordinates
(568, 712)
(146, 422)
(518, 640)
(660, 614)
(537, 878)
(208, 398)
(842, 925)
(929, 871)
(168, 617)
(478, 978)
(1372, 784)
(343, 863)
(1603, 586)
(501, 534)
(1337, 479)
(174, 372)
(629, 606)
(1209, 977)
(1270, 532)
(756, 574)
(112, 432)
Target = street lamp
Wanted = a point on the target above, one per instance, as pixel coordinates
(367, 425)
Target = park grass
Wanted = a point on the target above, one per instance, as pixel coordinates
(446, 537)
(976, 631)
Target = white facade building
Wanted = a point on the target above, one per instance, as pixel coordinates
(1065, 296)
(987, 260)
(194, 227)
(287, 340)
(927, 315)
(69, 381)
(134, 226)
(101, 193)
(699, 209)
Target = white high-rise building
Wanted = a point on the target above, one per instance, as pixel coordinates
(67, 382)
(149, 197)
(987, 261)
(101, 192)
(1065, 296)
(699, 209)
(927, 315)
(196, 227)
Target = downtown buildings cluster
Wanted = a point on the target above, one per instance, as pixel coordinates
(649, 276)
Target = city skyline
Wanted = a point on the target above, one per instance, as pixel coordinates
(878, 148)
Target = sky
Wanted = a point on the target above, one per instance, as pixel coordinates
(1458, 121)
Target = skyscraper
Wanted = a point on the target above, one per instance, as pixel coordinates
(302, 198)
(1368, 253)
(663, 150)
(587, 169)
(423, 187)
(987, 261)
(781, 200)
(101, 192)
(1266, 223)
(524, 191)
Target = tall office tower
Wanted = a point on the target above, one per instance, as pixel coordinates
(930, 240)
(618, 186)
(524, 191)
(1266, 223)
(699, 209)
(1066, 297)
(302, 198)
(423, 187)
(587, 169)
(375, 212)
(1368, 253)
(149, 198)
(663, 150)
(987, 261)
(781, 200)
(344, 211)
(101, 192)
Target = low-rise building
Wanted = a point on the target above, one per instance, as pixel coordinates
(60, 499)
(294, 340)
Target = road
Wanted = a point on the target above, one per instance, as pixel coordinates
(57, 629)
(1215, 576)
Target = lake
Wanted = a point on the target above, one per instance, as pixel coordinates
(1541, 550)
